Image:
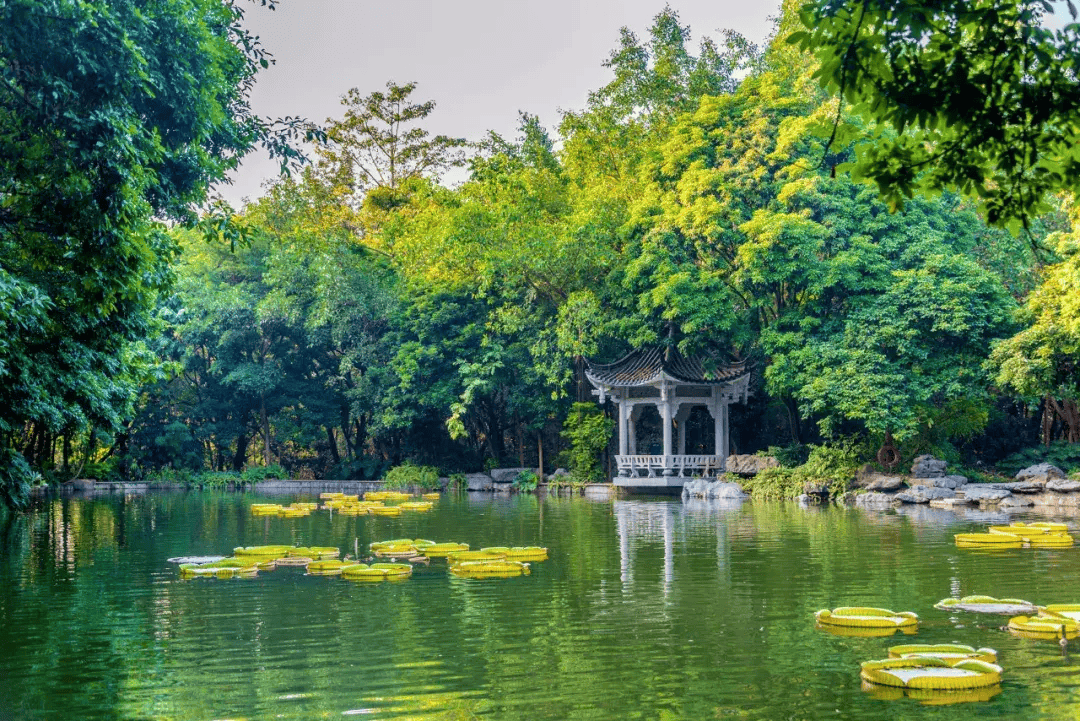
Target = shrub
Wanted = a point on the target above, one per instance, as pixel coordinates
(457, 482)
(1062, 454)
(254, 474)
(831, 467)
(588, 431)
(409, 475)
(526, 482)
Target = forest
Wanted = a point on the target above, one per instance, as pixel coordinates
(715, 196)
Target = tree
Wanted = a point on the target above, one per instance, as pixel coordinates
(114, 115)
(979, 96)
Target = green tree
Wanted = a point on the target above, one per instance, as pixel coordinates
(114, 114)
(978, 96)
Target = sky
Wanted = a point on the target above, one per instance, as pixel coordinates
(481, 61)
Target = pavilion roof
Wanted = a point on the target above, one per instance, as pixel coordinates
(646, 366)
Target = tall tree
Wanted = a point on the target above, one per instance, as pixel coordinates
(114, 114)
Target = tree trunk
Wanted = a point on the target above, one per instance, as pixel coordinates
(333, 445)
(265, 431)
(540, 453)
(241, 453)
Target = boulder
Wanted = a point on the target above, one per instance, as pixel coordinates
(507, 475)
(81, 484)
(1027, 486)
(704, 488)
(1015, 502)
(927, 466)
(949, 503)
(1062, 485)
(560, 473)
(881, 482)
(949, 482)
(984, 494)
(1040, 473)
(749, 465)
(874, 499)
(479, 482)
(924, 494)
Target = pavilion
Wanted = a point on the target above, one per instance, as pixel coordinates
(663, 378)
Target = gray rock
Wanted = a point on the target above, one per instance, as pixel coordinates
(819, 489)
(879, 482)
(949, 482)
(984, 494)
(1015, 502)
(1042, 472)
(1062, 485)
(749, 465)
(926, 466)
(949, 503)
(874, 499)
(507, 475)
(1027, 487)
(479, 482)
(924, 494)
(82, 484)
(712, 490)
(806, 500)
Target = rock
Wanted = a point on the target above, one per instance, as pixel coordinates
(927, 466)
(559, 473)
(479, 482)
(806, 500)
(507, 475)
(81, 484)
(1031, 486)
(1040, 473)
(1015, 502)
(949, 503)
(924, 494)
(704, 488)
(949, 482)
(880, 482)
(874, 499)
(1062, 485)
(749, 465)
(984, 494)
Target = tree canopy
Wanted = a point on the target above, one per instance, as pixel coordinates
(978, 96)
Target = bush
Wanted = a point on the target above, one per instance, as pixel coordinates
(408, 476)
(457, 482)
(254, 474)
(1062, 454)
(526, 482)
(831, 467)
(588, 431)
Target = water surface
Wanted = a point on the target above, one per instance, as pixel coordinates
(646, 609)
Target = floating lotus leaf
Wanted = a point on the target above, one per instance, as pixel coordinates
(266, 564)
(431, 496)
(462, 556)
(422, 543)
(998, 541)
(1051, 527)
(442, 550)
(267, 551)
(267, 509)
(295, 561)
(527, 553)
(225, 568)
(489, 569)
(364, 573)
(294, 512)
(927, 672)
(397, 552)
(866, 631)
(945, 651)
(987, 604)
(1068, 610)
(419, 506)
(867, 617)
(1051, 540)
(1018, 529)
(385, 511)
(1044, 627)
(327, 568)
(195, 560)
(929, 696)
(332, 496)
(393, 569)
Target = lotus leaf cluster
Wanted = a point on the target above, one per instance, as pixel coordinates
(1018, 535)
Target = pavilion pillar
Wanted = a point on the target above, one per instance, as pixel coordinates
(665, 415)
(635, 413)
(681, 417)
(723, 441)
(624, 433)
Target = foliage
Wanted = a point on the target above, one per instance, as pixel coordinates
(114, 116)
(409, 476)
(254, 474)
(830, 467)
(525, 482)
(588, 432)
(457, 483)
(1062, 454)
(981, 93)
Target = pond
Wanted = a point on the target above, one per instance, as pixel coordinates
(646, 609)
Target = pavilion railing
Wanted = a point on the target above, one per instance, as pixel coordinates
(676, 465)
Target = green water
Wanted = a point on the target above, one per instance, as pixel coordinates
(645, 610)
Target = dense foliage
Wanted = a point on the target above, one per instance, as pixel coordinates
(374, 319)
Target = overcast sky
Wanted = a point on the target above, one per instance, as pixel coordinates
(480, 60)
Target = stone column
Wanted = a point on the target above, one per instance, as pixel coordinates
(665, 415)
(624, 435)
(681, 418)
(725, 445)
